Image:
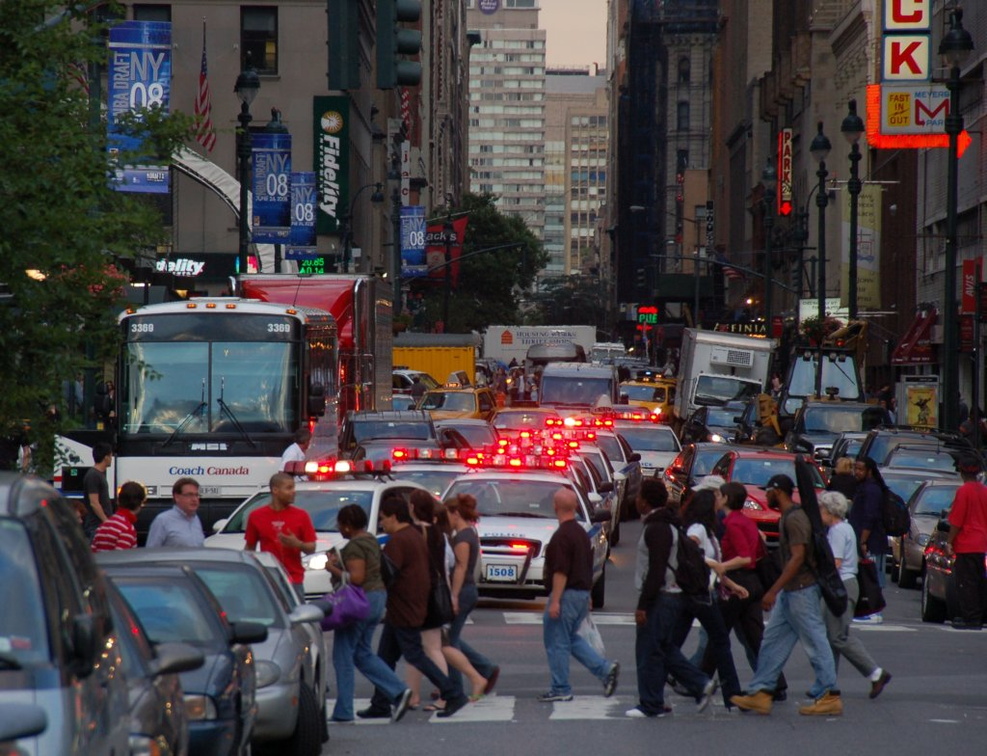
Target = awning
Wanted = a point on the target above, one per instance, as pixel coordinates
(915, 348)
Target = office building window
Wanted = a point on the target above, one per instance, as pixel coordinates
(259, 38)
(682, 116)
(685, 70)
(145, 12)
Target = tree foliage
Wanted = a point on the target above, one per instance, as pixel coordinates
(490, 282)
(60, 216)
(570, 300)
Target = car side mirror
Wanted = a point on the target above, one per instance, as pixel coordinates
(305, 613)
(619, 476)
(943, 525)
(600, 516)
(635, 457)
(595, 499)
(316, 400)
(21, 720)
(247, 632)
(220, 524)
(85, 644)
(173, 658)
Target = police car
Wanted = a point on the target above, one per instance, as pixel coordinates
(517, 520)
(322, 500)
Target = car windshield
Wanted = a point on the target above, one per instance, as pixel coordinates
(723, 416)
(719, 389)
(599, 462)
(704, 460)
(169, 610)
(364, 430)
(477, 436)
(573, 390)
(757, 472)
(934, 499)
(611, 447)
(841, 419)
(453, 401)
(921, 460)
(650, 439)
(435, 481)
(322, 506)
(639, 393)
(242, 592)
(516, 498)
(23, 631)
(520, 419)
(903, 485)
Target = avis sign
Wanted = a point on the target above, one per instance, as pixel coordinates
(907, 41)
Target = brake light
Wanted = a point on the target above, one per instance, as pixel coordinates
(400, 453)
(518, 547)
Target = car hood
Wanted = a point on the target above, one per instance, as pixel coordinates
(656, 459)
(517, 527)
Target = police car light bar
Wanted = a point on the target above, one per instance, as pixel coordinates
(328, 469)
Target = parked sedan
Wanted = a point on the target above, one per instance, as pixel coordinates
(291, 692)
(628, 463)
(175, 606)
(925, 507)
(158, 719)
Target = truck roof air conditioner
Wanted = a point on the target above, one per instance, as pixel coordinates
(742, 358)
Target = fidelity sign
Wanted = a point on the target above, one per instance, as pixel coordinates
(907, 40)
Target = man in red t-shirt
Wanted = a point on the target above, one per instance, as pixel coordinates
(283, 530)
(968, 540)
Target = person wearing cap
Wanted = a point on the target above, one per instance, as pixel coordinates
(867, 519)
(797, 603)
(967, 539)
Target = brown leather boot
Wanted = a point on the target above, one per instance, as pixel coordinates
(760, 701)
(829, 704)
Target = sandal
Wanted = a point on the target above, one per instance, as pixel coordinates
(433, 707)
(476, 697)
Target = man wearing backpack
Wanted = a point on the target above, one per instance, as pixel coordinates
(659, 608)
(867, 520)
(967, 539)
(797, 614)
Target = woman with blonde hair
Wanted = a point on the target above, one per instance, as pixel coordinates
(843, 479)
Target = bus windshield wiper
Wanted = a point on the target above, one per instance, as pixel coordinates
(188, 418)
(225, 409)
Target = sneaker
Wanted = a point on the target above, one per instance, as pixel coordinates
(870, 619)
(638, 713)
(491, 681)
(703, 701)
(452, 707)
(401, 706)
(960, 624)
(759, 701)
(878, 685)
(829, 704)
(371, 713)
(551, 697)
(610, 683)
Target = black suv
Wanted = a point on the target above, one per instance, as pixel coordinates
(880, 442)
(60, 653)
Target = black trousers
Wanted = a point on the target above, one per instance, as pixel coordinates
(971, 587)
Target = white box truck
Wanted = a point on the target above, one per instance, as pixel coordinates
(506, 343)
(717, 367)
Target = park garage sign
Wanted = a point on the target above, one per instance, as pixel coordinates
(331, 122)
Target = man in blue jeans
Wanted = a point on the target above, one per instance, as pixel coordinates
(795, 602)
(569, 578)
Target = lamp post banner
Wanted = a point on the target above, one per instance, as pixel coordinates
(435, 250)
(868, 247)
(302, 240)
(271, 169)
(139, 78)
(413, 242)
(331, 161)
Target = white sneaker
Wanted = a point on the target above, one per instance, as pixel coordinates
(637, 713)
(871, 619)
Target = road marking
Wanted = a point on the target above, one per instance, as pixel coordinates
(945, 721)
(488, 709)
(884, 628)
(590, 707)
(600, 618)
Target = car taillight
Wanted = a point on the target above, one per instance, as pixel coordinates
(519, 547)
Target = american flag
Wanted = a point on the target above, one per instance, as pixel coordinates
(205, 134)
(728, 270)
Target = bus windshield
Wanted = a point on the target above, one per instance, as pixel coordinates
(206, 387)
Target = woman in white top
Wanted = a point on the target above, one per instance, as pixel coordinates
(843, 542)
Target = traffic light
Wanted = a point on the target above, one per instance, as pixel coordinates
(343, 43)
(395, 41)
(641, 278)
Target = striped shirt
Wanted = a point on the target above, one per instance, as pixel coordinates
(117, 532)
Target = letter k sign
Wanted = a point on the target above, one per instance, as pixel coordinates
(907, 57)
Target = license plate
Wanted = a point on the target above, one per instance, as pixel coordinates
(210, 491)
(502, 573)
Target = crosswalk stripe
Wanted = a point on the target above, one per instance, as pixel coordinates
(488, 709)
(589, 707)
(884, 628)
(600, 618)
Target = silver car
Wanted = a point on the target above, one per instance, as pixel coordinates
(925, 508)
(290, 690)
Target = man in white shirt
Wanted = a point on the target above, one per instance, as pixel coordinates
(296, 452)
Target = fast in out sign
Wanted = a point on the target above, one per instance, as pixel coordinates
(907, 40)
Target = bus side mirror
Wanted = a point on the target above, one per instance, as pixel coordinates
(316, 400)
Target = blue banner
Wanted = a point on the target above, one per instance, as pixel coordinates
(271, 170)
(413, 263)
(302, 241)
(139, 78)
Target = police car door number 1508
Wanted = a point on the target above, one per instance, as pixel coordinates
(502, 573)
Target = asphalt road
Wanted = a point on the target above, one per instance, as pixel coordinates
(936, 702)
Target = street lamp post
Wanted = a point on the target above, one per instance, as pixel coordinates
(955, 47)
(819, 149)
(377, 197)
(852, 128)
(447, 234)
(247, 85)
(769, 180)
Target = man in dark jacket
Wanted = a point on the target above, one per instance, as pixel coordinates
(659, 608)
(867, 520)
